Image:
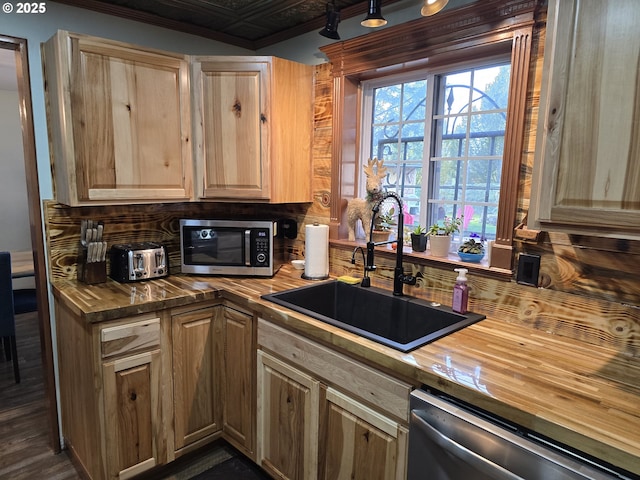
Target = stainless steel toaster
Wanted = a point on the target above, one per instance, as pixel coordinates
(132, 262)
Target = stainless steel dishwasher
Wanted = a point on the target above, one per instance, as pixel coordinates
(450, 441)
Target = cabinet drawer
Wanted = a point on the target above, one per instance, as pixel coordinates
(128, 337)
(361, 381)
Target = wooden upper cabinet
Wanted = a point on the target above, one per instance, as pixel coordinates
(587, 167)
(119, 122)
(253, 119)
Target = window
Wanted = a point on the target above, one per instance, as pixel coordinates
(480, 30)
(441, 135)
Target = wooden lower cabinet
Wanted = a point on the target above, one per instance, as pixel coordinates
(132, 413)
(288, 409)
(213, 363)
(139, 392)
(360, 442)
(111, 396)
(311, 423)
(197, 370)
(238, 378)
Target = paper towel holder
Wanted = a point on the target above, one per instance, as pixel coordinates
(313, 277)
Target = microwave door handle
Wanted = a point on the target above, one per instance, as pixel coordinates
(247, 248)
(461, 452)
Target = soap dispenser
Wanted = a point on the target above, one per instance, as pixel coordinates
(460, 292)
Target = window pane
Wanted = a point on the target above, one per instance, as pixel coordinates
(413, 107)
(491, 88)
(456, 93)
(451, 144)
(469, 129)
(447, 178)
(483, 180)
(386, 104)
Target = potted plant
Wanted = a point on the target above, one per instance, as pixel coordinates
(419, 239)
(382, 225)
(440, 236)
(471, 251)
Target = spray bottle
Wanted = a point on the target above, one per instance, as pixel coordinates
(460, 292)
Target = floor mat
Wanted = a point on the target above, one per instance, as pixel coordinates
(236, 468)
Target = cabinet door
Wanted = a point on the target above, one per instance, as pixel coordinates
(121, 121)
(254, 128)
(587, 166)
(132, 414)
(233, 102)
(288, 407)
(360, 443)
(238, 379)
(197, 366)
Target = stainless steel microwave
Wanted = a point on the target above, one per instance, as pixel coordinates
(230, 247)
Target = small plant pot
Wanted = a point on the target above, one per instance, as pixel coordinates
(380, 235)
(418, 242)
(440, 245)
(471, 257)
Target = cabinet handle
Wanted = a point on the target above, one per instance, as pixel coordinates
(237, 109)
(263, 118)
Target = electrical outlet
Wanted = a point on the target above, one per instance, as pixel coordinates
(528, 269)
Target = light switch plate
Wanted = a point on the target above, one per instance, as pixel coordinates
(528, 269)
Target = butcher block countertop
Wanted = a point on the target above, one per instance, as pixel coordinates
(585, 396)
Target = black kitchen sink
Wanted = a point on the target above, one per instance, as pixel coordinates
(403, 323)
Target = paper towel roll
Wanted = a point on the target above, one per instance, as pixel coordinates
(316, 246)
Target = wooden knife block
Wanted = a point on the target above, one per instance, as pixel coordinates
(90, 272)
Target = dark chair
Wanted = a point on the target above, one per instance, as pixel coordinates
(24, 300)
(7, 318)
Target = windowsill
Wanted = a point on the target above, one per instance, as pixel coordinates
(425, 258)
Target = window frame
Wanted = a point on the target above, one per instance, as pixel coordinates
(481, 29)
(433, 78)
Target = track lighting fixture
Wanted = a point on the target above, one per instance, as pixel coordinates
(431, 7)
(330, 29)
(374, 17)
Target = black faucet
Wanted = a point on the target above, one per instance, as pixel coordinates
(399, 278)
(366, 281)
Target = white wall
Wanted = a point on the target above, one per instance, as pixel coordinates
(14, 210)
(15, 233)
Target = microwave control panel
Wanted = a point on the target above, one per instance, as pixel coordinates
(260, 247)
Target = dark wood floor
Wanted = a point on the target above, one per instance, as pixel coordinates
(24, 449)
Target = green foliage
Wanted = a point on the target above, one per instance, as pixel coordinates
(447, 227)
(471, 246)
(419, 230)
(385, 220)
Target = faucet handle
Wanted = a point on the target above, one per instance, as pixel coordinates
(408, 279)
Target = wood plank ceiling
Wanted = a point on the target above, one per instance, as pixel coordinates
(251, 24)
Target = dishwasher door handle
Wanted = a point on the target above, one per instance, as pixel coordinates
(461, 452)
